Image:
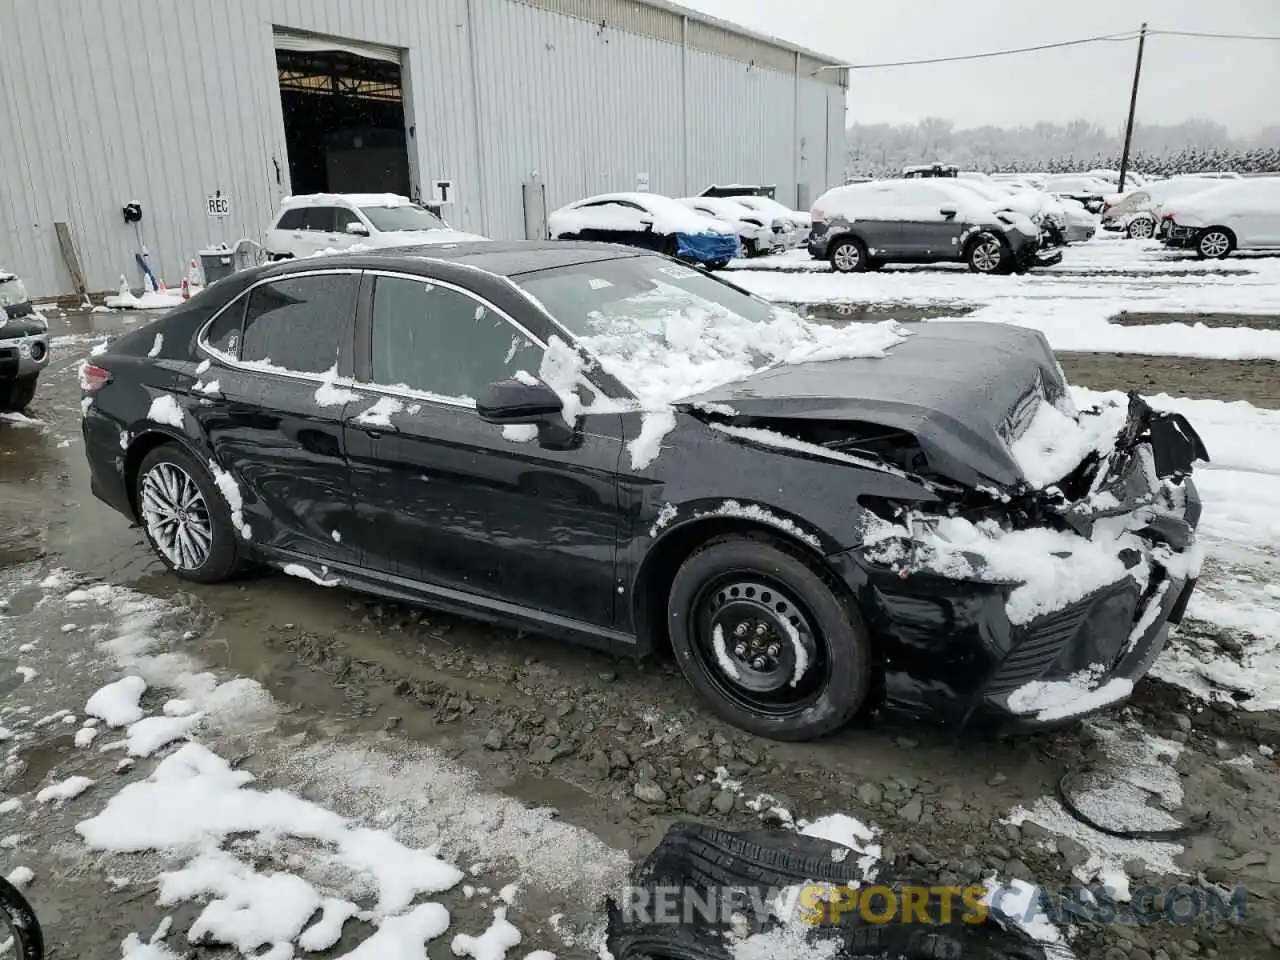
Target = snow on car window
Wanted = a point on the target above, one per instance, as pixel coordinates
(668, 332)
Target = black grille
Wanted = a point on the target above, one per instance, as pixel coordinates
(8, 361)
(1036, 653)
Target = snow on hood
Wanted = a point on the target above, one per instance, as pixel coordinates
(674, 353)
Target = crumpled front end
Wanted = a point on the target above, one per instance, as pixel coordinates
(1045, 602)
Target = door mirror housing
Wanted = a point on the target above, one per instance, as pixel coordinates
(948, 212)
(518, 401)
(646, 222)
(357, 228)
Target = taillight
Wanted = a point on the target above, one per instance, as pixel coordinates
(93, 379)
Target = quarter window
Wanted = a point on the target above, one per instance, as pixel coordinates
(223, 334)
(435, 339)
(294, 219)
(300, 323)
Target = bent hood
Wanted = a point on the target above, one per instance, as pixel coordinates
(965, 391)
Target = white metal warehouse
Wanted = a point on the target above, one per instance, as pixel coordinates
(173, 103)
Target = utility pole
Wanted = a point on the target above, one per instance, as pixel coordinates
(1133, 104)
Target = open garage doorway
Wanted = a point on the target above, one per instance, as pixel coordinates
(344, 115)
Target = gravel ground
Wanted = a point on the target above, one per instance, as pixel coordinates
(618, 748)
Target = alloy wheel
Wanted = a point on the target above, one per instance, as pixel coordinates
(986, 256)
(847, 257)
(1215, 244)
(176, 516)
(1142, 228)
(758, 645)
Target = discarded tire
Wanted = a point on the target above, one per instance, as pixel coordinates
(731, 877)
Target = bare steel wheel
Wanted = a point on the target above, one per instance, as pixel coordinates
(176, 516)
(185, 515)
(767, 639)
(1214, 244)
(1141, 228)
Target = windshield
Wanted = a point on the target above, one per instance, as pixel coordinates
(404, 217)
(668, 331)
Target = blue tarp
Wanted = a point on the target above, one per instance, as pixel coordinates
(707, 247)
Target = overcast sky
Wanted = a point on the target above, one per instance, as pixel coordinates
(1235, 82)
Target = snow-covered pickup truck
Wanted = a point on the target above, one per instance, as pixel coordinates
(24, 345)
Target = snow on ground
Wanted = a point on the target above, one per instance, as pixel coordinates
(1072, 303)
(333, 832)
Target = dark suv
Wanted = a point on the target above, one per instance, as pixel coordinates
(925, 220)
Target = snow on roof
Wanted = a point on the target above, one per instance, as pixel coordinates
(616, 211)
(346, 199)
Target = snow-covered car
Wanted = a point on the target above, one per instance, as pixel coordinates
(313, 223)
(627, 452)
(783, 217)
(1138, 212)
(1234, 215)
(928, 170)
(649, 221)
(1040, 208)
(1081, 224)
(757, 233)
(1132, 179)
(24, 344)
(1089, 191)
(925, 220)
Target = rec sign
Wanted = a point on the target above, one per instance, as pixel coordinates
(218, 206)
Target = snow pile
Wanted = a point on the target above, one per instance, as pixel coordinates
(149, 300)
(1052, 568)
(1055, 442)
(493, 944)
(116, 704)
(675, 348)
(1077, 694)
(165, 409)
(67, 789)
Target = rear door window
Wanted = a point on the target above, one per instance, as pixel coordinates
(323, 219)
(439, 340)
(300, 323)
(292, 219)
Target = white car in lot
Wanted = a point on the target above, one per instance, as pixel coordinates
(755, 229)
(1138, 212)
(783, 217)
(1234, 215)
(314, 223)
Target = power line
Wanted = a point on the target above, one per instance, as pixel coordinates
(1105, 38)
(1209, 36)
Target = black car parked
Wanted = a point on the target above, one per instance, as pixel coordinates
(317, 416)
(24, 345)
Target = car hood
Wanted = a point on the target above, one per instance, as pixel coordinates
(412, 238)
(963, 390)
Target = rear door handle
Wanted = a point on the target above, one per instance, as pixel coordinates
(375, 431)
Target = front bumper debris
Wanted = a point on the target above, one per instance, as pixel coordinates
(951, 647)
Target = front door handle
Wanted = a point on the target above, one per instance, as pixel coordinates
(375, 431)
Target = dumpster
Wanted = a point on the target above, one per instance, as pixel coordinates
(216, 263)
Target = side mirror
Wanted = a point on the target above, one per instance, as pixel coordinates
(948, 212)
(517, 401)
(357, 228)
(646, 222)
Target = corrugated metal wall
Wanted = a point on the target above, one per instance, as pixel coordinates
(166, 102)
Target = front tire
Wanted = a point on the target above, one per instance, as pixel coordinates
(1141, 228)
(764, 639)
(987, 254)
(848, 256)
(185, 517)
(17, 395)
(1215, 243)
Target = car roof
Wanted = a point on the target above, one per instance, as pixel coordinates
(345, 199)
(504, 258)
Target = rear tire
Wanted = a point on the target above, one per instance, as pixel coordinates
(848, 256)
(174, 490)
(18, 921)
(1140, 228)
(766, 641)
(17, 395)
(1215, 243)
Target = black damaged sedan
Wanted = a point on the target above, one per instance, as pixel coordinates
(603, 444)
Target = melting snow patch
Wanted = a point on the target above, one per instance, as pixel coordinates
(230, 491)
(27, 673)
(21, 877)
(380, 414)
(668, 513)
(156, 346)
(1021, 904)
(85, 736)
(520, 432)
(752, 511)
(132, 947)
(116, 704)
(67, 789)
(405, 935)
(305, 573)
(208, 389)
(331, 394)
(722, 654)
(150, 734)
(493, 944)
(202, 367)
(647, 444)
(165, 409)
(325, 932)
(1077, 694)
(848, 832)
